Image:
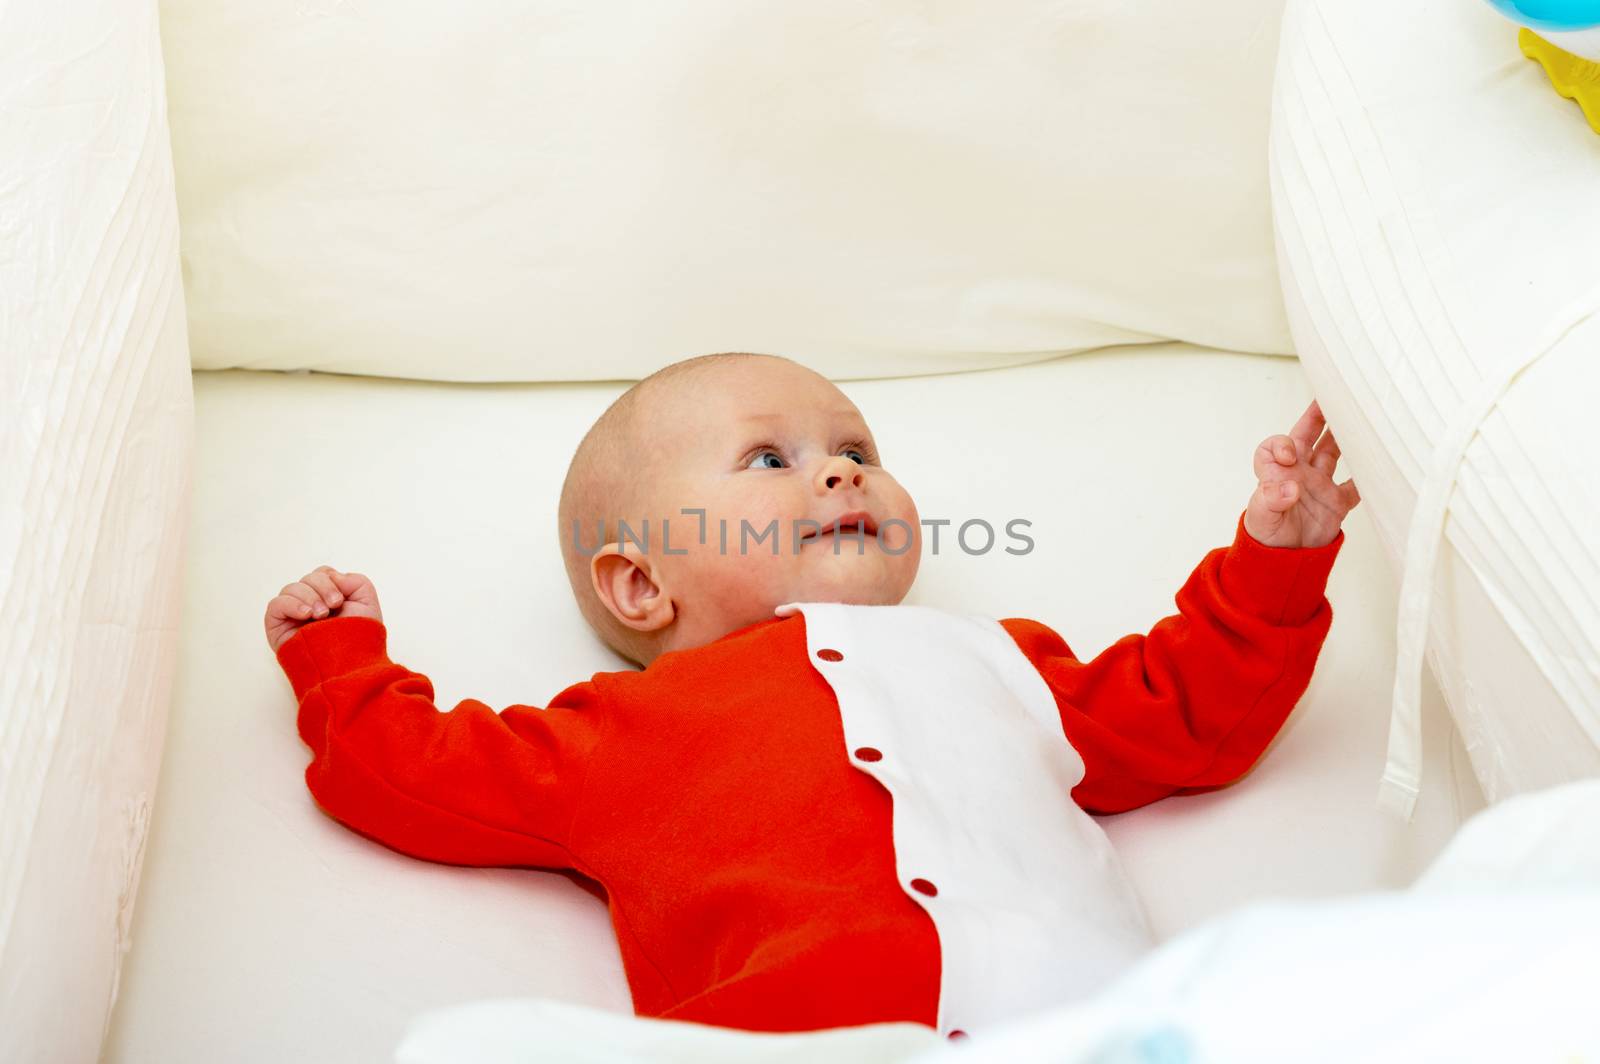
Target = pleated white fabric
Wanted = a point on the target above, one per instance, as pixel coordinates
(96, 425)
(1402, 777)
(1436, 222)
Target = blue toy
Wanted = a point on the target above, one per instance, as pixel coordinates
(1558, 15)
(1567, 46)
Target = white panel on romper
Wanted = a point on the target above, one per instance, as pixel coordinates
(1032, 905)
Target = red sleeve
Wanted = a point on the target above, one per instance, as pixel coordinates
(1192, 705)
(469, 786)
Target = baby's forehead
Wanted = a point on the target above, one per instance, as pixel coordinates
(757, 390)
(691, 421)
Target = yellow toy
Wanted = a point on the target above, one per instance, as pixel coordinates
(1564, 36)
(1573, 76)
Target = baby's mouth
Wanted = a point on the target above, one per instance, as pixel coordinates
(857, 523)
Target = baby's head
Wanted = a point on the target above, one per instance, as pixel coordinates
(763, 445)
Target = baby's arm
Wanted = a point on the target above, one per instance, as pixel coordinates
(1194, 703)
(469, 786)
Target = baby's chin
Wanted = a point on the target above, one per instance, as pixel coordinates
(852, 580)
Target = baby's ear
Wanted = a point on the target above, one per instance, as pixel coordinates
(624, 583)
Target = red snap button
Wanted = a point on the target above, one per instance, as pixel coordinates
(829, 654)
(958, 1033)
(867, 753)
(922, 886)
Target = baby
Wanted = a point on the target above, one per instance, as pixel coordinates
(814, 806)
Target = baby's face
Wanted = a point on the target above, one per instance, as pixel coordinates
(764, 446)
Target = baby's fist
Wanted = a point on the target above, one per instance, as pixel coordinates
(323, 592)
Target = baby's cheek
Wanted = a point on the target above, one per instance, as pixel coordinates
(903, 550)
(909, 563)
(903, 540)
(746, 568)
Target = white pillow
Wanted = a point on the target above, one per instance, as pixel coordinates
(511, 191)
(96, 427)
(1437, 220)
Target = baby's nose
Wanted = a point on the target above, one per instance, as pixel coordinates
(834, 474)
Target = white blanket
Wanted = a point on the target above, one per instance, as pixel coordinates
(1489, 956)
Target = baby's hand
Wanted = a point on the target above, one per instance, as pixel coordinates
(1298, 504)
(323, 592)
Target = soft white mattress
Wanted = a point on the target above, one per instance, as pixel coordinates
(268, 931)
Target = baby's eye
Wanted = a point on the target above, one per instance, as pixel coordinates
(858, 458)
(760, 460)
